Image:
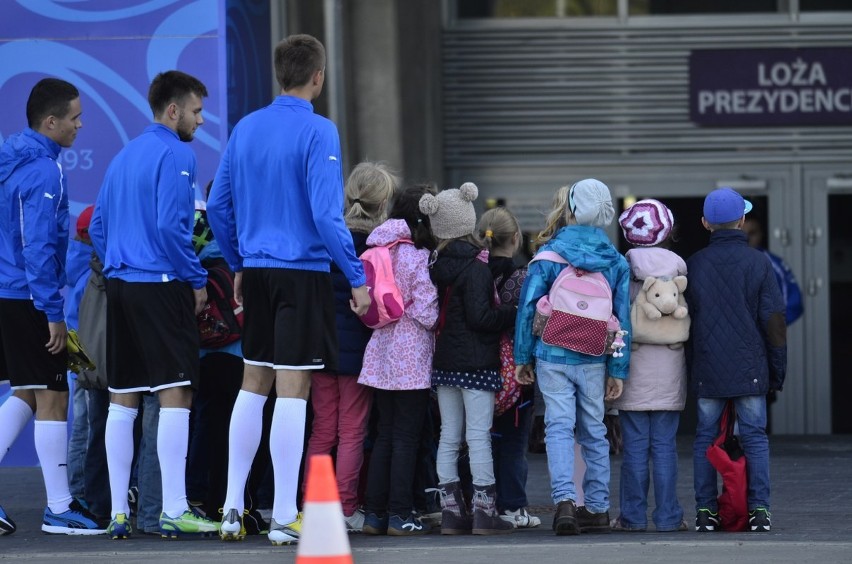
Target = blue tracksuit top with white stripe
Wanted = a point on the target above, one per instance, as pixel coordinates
(33, 222)
(277, 198)
(142, 224)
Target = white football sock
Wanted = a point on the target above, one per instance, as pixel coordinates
(172, 442)
(51, 444)
(119, 449)
(286, 443)
(15, 413)
(243, 441)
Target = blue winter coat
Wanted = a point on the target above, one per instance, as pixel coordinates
(77, 271)
(737, 344)
(587, 248)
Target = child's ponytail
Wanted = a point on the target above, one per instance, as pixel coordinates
(557, 218)
(497, 227)
(368, 189)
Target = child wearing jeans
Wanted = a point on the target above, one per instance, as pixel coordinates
(465, 368)
(511, 429)
(655, 394)
(341, 405)
(397, 364)
(574, 385)
(737, 351)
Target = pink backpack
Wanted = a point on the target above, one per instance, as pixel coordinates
(387, 305)
(577, 312)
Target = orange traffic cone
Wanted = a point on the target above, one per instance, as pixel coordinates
(323, 539)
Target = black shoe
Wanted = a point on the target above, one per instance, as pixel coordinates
(133, 500)
(592, 522)
(254, 523)
(707, 521)
(565, 519)
(758, 520)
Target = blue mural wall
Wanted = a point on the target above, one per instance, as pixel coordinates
(110, 51)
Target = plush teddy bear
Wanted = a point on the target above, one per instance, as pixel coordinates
(659, 315)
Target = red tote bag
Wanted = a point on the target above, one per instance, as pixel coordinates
(727, 457)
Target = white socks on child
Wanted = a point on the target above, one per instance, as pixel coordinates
(243, 442)
(172, 441)
(119, 449)
(286, 442)
(51, 444)
(15, 413)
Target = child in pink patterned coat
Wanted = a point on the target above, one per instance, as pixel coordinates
(398, 363)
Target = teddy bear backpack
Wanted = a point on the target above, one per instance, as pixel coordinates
(659, 313)
(577, 312)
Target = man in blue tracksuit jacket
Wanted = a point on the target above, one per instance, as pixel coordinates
(33, 243)
(142, 231)
(276, 208)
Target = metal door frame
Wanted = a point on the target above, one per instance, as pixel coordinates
(819, 182)
(780, 183)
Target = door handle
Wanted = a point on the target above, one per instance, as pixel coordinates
(783, 236)
(814, 285)
(814, 233)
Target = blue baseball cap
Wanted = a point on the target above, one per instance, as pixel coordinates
(725, 205)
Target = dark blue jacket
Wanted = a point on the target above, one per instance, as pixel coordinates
(352, 334)
(737, 344)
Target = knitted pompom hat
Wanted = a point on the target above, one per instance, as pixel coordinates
(646, 223)
(451, 212)
(591, 203)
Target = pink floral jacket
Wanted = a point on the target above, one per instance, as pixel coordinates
(399, 355)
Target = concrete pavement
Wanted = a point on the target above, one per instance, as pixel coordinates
(811, 522)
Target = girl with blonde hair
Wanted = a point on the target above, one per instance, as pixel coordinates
(341, 405)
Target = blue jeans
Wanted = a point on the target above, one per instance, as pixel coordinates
(751, 417)
(509, 441)
(574, 396)
(77, 443)
(649, 436)
(148, 468)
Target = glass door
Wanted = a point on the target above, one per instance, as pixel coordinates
(828, 294)
(774, 195)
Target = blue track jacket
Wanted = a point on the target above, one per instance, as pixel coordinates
(142, 224)
(587, 248)
(33, 222)
(277, 199)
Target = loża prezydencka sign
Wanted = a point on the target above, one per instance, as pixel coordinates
(749, 87)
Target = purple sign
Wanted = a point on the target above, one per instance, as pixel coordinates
(786, 87)
(111, 51)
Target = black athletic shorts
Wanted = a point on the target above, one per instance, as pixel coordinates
(26, 362)
(152, 336)
(289, 319)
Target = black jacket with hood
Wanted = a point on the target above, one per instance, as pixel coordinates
(470, 323)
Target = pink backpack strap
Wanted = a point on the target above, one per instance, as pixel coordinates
(549, 255)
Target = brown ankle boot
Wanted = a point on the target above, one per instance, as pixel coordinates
(455, 518)
(486, 521)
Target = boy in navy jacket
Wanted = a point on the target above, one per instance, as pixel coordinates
(737, 351)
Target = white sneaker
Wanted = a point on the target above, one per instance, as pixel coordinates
(354, 522)
(521, 518)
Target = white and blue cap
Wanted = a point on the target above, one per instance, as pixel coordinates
(725, 205)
